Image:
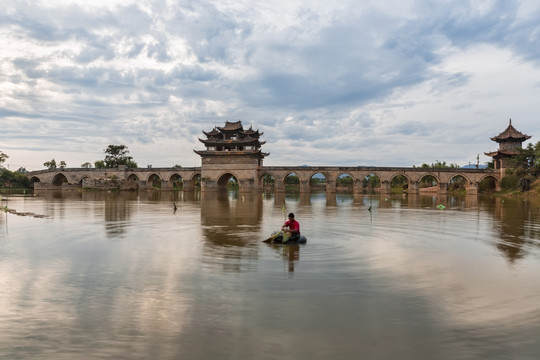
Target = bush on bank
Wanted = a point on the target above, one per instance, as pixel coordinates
(509, 182)
(13, 180)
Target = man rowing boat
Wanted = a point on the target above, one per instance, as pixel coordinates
(291, 228)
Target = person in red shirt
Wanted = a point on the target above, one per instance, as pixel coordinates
(292, 227)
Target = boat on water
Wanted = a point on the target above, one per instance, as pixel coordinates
(277, 238)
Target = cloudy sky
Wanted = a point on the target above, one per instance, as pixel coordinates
(383, 83)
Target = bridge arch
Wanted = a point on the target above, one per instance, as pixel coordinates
(59, 179)
(154, 180)
(224, 179)
(133, 181)
(371, 181)
(428, 180)
(193, 183)
(34, 179)
(196, 176)
(175, 181)
(81, 180)
(291, 178)
(318, 180)
(267, 180)
(488, 183)
(344, 180)
(400, 182)
(458, 182)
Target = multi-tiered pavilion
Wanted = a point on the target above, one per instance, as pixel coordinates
(510, 143)
(231, 147)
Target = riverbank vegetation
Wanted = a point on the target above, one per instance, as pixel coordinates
(12, 180)
(523, 176)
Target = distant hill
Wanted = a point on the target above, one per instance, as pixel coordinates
(473, 166)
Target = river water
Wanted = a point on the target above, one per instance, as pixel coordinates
(124, 275)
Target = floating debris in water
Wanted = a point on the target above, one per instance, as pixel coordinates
(441, 207)
(15, 212)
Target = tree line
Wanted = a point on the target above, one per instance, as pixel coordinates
(12, 179)
(525, 169)
(115, 155)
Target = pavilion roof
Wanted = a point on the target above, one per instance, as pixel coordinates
(510, 134)
(214, 132)
(499, 153)
(232, 126)
(250, 131)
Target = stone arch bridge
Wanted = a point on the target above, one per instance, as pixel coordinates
(252, 179)
(115, 178)
(413, 176)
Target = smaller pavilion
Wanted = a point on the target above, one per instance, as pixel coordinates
(510, 143)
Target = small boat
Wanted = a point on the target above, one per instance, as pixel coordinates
(277, 238)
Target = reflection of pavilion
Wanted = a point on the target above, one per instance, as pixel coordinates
(231, 227)
(512, 216)
(513, 220)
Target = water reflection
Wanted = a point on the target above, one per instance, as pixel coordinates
(289, 253)
(230, 220)
(198, 283)
(516, 222)
(231, 228)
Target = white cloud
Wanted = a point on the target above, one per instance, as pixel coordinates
(393, 83)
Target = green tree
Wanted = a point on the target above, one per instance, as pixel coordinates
(116, 155)
(427, 181)
(528, 160)
(292, 179)
(11, 180)
(268, 179)
(398, 184)
(62, 164)
(317, 179)
(99, 164)
(440, 165)
(232, 183)
(457, 183)
(50, 164)
(344, 180)
(3, 158)
(86, 165)
(371, 181)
